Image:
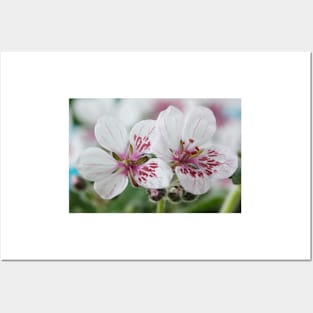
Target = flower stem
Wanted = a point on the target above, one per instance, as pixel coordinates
(231, 200)
(160, 206)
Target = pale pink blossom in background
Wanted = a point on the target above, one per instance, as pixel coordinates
(88, 111)
(128, 111)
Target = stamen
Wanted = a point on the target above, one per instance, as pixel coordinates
(181, 145)
(195, 153)
(131, 150)
(141, 160)
(132, 179)
(127, 162)
(116, 157)
(194, 166)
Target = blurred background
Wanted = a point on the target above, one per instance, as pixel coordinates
(83, 114)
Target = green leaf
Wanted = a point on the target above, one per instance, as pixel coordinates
(236, 178)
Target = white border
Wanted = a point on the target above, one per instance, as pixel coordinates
(275, 93)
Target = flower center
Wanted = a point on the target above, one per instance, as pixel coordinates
(186, 155)
(129, 162)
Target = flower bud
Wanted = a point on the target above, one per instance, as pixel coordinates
(174, 193)
(187, 196)
(78, 183)
(156, 194)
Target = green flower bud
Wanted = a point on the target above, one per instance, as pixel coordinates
(156, 195)
(188, 197)
(174, 193)
(78, 183)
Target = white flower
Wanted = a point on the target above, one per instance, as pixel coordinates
(125, 156)
(185, 142)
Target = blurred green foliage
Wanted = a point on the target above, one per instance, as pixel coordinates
(135, 200)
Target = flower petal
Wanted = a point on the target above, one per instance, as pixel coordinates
(218, 162)
(199, 127)
(95, 164)
(169, 125)
(153, 174)
(161, 150)
(142, 136)
(192, 180)
(111, 186)
(111, 134)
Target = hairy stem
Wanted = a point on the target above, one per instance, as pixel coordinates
(160, 206)
(231, 200)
